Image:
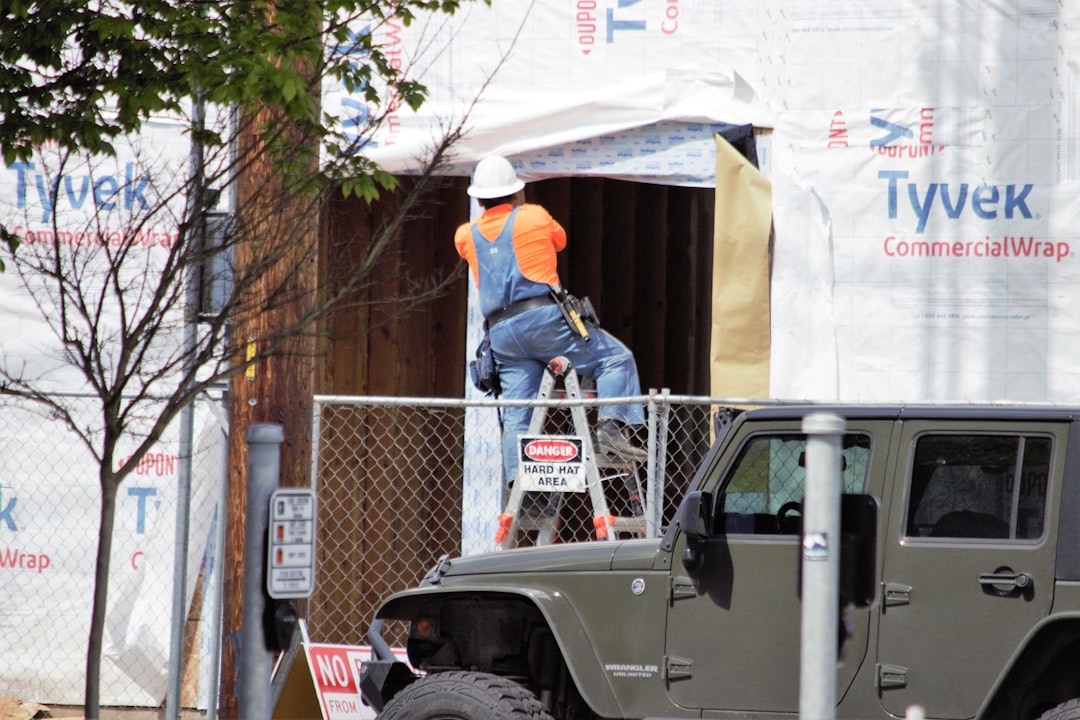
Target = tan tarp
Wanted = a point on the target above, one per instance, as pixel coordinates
(739, 343)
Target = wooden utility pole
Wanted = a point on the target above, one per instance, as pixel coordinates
(279, 389)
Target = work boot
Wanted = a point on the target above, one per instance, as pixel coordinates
(613, 441)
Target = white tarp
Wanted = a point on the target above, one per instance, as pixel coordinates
(101, 207)
(923, 156)
(939, 260)
(631, 89)
(50, 502)
(50, 497)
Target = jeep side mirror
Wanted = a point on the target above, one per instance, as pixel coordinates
(695, 515)
(695, 521)
(858, 549)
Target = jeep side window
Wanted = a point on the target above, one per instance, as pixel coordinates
(763, 491)
(963, 486)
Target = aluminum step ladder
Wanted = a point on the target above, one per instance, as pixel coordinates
(546, 523)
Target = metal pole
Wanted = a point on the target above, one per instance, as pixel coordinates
(649, 491)
(180, 556)
(256, 659)
(820, 567)
(187, 425)
(659, 417)
(658, 480)
(216, 585)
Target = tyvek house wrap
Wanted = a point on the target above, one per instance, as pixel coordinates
(922, 156)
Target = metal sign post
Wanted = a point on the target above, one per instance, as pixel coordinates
(256, 659)
(820, 566)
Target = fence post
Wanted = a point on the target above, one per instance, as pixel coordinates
(659, 416)
(316, 441)
(215, 587)
(181, 548)
(820, 566)
(256, 659)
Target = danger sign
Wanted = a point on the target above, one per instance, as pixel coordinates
(551, 463)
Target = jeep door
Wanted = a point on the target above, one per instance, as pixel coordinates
(733, 629)
(968, 569)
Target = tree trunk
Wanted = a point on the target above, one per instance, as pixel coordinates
(101, 596)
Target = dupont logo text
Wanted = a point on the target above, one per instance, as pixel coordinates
(552, 450)
(606, 21)
(893, 134)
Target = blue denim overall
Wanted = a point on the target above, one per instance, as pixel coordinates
(524, 343)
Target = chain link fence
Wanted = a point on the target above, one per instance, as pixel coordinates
(50, 502)
(400, 482)
(403, 481)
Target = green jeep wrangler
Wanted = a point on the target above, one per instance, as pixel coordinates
(974, 607)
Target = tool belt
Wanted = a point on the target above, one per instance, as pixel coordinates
(484, 369)
(578, 312)
(517, 308)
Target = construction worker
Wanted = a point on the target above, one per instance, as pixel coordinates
(511, 250)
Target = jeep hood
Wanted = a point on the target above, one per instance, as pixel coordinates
(571, 557)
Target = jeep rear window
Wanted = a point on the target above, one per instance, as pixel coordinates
(763, 491)
(963, 486)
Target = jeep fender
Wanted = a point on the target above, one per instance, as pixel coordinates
(584, 666)
(1039, 650)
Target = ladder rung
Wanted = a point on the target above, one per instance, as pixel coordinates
(629, 524)
(544, 522)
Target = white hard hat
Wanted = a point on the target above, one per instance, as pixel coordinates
(494, 177)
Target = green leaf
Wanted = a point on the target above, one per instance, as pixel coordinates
(289, 89)
(66, 65)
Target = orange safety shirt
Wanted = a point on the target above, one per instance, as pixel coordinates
(537, 237)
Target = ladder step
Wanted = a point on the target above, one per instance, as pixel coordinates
(543, 522)
(629, 524)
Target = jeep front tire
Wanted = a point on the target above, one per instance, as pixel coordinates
(1065, 711)
(464, 696)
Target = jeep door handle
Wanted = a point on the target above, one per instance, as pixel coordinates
(1020, 581)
